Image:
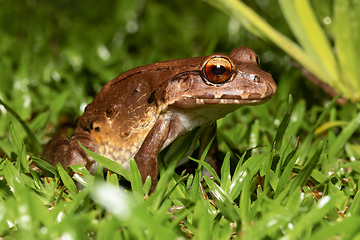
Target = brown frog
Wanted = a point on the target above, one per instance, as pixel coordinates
(143, 110)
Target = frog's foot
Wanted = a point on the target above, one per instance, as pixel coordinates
(68, 152)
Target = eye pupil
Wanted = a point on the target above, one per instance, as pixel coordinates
(218, 69)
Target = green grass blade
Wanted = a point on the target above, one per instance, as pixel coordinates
(223, 201)
(297, 118)
(207, 167)
(305, 173)
(345, 45)
(310, 35)
(16, 141)
(225, 173)
(107, 163)
(323, 206)
(343, 137)
(66, 179)
(82, 175)
(43, 165)
(245, 198)
(354, 209)
(23, 159)
(347, 228)
(13, 178)
(112, 178)
(283, 125)
(33, 140)
(136, 182)
(252, 165)
(285, 176)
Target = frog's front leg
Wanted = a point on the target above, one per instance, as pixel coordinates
(68, 152)
(146, 157)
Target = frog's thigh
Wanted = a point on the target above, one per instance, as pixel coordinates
(68, 152)
(146, 157)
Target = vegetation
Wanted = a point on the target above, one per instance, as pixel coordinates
(289, 169)
(335, 71)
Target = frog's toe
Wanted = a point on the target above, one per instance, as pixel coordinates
(68, 152)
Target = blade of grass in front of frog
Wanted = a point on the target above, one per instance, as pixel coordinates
(204, 164)
(66, 179)
(157, 197)
(44, 166)
(82, 175)
(136, 182)
(107, 163)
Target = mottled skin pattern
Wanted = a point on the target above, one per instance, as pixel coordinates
(143, 110)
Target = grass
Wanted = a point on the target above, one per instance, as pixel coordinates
(289, 171)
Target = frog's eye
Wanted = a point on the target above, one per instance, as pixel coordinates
(218, 70)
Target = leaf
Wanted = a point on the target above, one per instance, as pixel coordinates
(343, 137)
(245, 199)
(16, 141)
(223, 201)
(33, 140)
(305, 173)
(354, 209)
(43, 165)
(283, 125)
(252, 166)
(321, 208)
(82, 175)
(346, 47)
(66, 179)
(225, 173)
(207, 167)
(136, 181)
(347, 228)
(13, 178)
(107, 163)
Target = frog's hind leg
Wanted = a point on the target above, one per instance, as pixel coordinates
(68, 152)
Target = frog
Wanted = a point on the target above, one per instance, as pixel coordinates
(143, 110)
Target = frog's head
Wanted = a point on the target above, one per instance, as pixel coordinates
(220, 82)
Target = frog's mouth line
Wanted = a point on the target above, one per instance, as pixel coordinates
(202, 100)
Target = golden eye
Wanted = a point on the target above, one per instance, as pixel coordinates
(218, 70)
